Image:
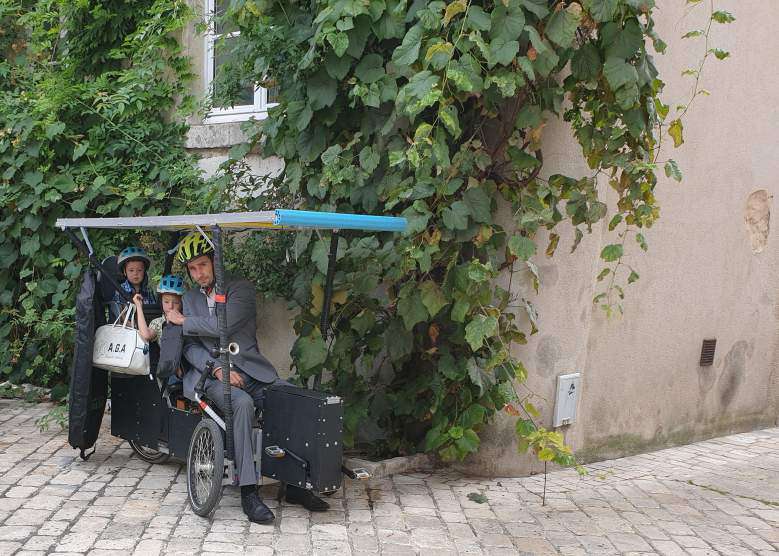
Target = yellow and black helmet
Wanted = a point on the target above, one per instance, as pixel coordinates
(193, 246)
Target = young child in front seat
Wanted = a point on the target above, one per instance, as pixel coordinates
(171, 289)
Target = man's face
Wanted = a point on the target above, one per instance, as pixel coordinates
(170, 302)
(135, 270)
(202, 271)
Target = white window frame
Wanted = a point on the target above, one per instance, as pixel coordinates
(241, 113)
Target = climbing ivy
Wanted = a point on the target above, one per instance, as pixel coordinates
(89, 126)
(436, 111)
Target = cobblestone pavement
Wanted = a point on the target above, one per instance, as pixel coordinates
(719, 496)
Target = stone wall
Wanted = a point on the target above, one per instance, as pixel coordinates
(711, 270)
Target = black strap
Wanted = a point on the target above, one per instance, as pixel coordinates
(86, 456)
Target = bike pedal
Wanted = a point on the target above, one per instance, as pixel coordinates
(275, 452)
(361, 474)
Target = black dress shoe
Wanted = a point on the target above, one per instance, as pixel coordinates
(306, 498)
(255, 508)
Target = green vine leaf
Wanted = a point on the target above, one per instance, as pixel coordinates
(507, 22)
(439, 54)
(619, 73)
(502, 52)
(408, 51)
(432, 297)
(473, 416)
(641, 241)
(322, 90)
(478, 377)
(721, 16)
(456, 216)
(623, 43)
(370, 69)
(310, 351)
(612, 252)
(477, 19)
(719, 53)
(672, 170)
(469, 442)
(480, 328)
(586, 63)
(477, 497)
(561, 29)
(522, 247)
(479, 204)
(601, 10)
(412, 309)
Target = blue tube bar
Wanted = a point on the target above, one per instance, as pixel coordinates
(338, 221)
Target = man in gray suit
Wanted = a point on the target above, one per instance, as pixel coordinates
(251, 375)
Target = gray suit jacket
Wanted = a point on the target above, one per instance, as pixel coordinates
(201, 334)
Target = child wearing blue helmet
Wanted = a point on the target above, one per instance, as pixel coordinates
(171, 290)
(134, 265)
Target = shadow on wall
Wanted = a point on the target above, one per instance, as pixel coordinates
(724, 381)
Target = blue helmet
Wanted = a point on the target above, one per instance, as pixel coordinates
(170, 283)
(133, 254)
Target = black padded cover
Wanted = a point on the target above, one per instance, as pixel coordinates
(171, 346)
(88, 384)
(109, 266)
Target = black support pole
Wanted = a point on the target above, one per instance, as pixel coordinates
(221, 322)
(324, 321)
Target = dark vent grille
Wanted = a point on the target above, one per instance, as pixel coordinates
(707, 352)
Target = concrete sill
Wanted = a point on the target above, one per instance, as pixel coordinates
(215, 136)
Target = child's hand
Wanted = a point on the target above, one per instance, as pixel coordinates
(138, 299)
(174, 317)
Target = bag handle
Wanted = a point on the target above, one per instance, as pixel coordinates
(129, 312)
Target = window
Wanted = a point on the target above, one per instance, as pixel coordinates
(253, 101)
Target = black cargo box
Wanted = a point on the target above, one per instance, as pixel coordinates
(308, 427)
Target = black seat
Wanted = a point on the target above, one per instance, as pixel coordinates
(175, 390)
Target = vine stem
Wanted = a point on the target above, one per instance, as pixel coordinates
(703, 61)
(120, 130)
(610, 289)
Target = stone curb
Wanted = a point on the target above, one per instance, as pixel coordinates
(392, 466)
(20, 391)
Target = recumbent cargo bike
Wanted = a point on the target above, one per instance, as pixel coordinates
(297, 438)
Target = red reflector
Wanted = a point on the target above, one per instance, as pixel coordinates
(203, 405)
(220, 298)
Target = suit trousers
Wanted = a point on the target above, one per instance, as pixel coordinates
(244, 402)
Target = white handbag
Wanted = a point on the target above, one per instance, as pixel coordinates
(119, 347)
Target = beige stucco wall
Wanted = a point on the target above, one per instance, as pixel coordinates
(641, 383)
